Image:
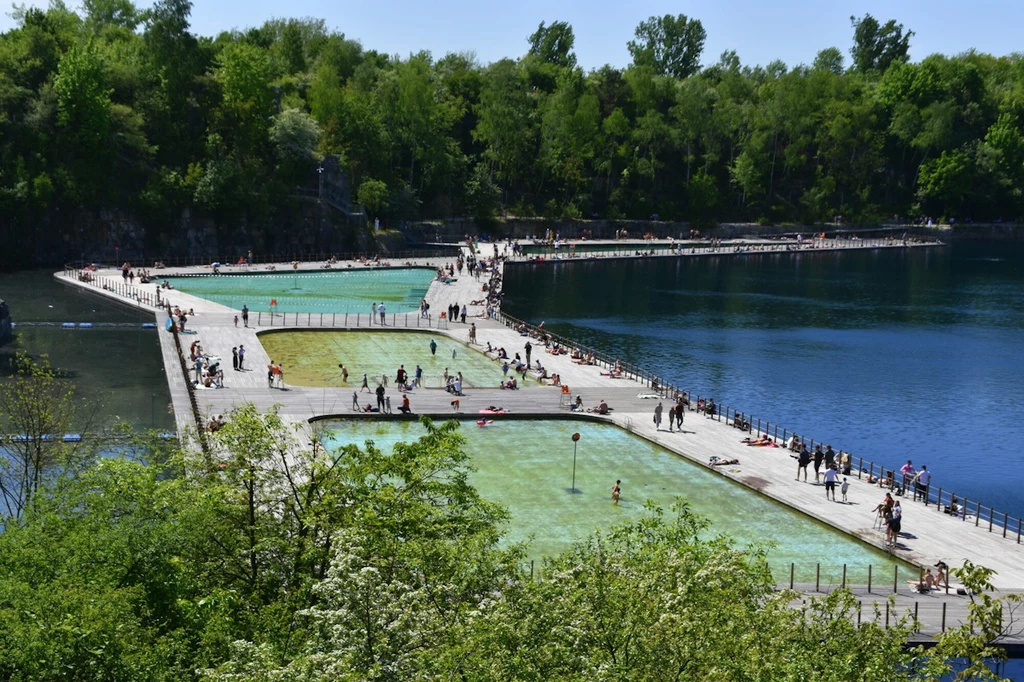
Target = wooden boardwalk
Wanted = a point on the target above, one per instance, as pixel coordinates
(928, 536)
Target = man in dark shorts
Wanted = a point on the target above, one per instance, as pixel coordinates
(819, 457)
(245, 315)
(802, 461)
(830, 482)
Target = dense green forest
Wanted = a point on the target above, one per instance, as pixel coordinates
(266, 558)
(121, 108)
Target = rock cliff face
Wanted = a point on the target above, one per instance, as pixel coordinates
(5, 323)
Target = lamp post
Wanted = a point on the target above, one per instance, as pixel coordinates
(575, 440)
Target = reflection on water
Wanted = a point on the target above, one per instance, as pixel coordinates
(527, 466)
(120, 367)
(889, 355)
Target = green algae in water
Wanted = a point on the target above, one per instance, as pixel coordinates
(349, 291)
(526, 465)
(311, 358)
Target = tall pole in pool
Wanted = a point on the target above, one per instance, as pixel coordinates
(575, 440)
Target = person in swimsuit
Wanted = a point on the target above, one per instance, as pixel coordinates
(616, 491)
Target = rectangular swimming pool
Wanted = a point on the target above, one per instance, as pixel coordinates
(343, 291)
(526, 465)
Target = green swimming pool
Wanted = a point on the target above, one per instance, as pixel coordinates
(527, 466)
(312, 357)
(355, 291)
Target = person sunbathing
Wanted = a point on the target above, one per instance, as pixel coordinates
(721, 462)
(764, 441)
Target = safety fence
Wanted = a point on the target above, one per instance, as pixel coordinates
(115, 286)
(569, 251)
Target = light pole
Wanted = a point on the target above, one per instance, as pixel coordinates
(575, 440)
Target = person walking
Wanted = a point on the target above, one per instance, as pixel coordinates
(241, 358)
(380, 397)
(419, 376)
(617, 491)
(819, 457)
(433, 347)
(472, 333)
(671, 418)
(270, 374)
(464, 311)
(245, 315)
(344, 373)
(366, 384)
(355, 401)
(657, 411)
(234, 358)
(279, 375)
(529, 348)
(802, 461)
(830, 456)
(895, 525)
(373, 312)
(382, 309)
(830, 482)
(845, 487)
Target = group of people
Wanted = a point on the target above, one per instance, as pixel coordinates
(890, 513)
(275, 375)
(207, 372)
(676, 413)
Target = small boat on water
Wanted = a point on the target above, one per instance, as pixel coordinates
(5, 323)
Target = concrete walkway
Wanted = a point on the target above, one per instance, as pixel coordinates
(928, 535)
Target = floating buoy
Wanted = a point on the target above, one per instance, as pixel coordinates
(68, 325)
(85, 325)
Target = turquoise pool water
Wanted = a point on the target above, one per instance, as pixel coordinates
(527, 466)
(346, 291)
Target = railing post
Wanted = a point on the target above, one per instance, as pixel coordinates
(844, 576)
(1006, 519)
(792, 571)
(817, 577)
(895, 578)
(963, 517)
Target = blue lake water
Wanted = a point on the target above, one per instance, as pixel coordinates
(889, 355)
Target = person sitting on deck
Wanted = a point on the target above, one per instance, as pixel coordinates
(578, 405)
(602, 408)
(404, 407)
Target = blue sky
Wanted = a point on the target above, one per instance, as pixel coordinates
(759, 31)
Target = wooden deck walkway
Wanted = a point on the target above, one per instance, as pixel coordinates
(928, 535)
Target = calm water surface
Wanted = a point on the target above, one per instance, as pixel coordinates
(118, 366)
(888, 355)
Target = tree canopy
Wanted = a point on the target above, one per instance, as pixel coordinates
(268, 559)
(124, 109)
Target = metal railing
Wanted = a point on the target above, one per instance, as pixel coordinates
(534, 252)
(113, 285)
(401, 320)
